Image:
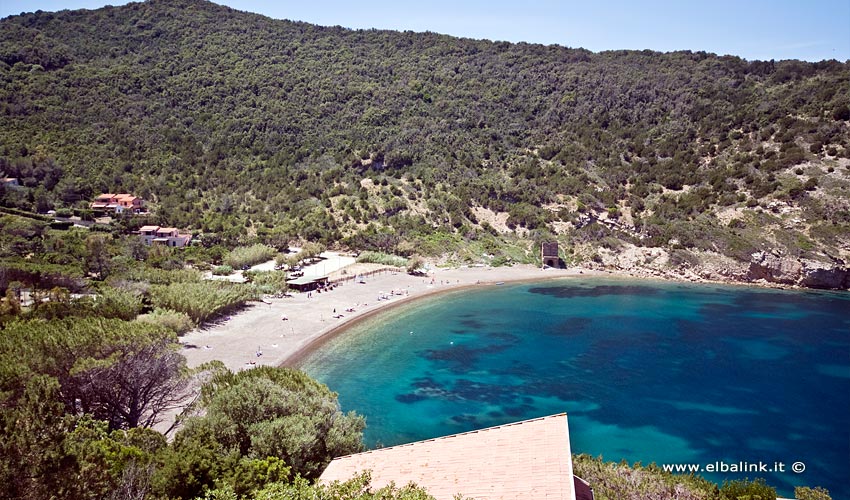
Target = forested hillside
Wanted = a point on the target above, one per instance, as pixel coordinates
(243, 129)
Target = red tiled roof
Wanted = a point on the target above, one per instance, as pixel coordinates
(525, 460)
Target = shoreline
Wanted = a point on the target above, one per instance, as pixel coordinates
(257, 336)
(295, 359)
(315, 343)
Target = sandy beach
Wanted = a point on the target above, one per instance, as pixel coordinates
(258, 335)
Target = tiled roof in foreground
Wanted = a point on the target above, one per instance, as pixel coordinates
(524, 460)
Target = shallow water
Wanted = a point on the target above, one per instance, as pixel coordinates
(647, 371)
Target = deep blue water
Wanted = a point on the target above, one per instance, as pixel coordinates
(647, 371)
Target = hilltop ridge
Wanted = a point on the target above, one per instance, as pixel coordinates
(246, 128)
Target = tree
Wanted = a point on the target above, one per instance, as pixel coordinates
(277, 412)
(97, 256)
(135, 248)
(10, 306)
(137, 384)
(414, 265)
(311, 250)
(192, 464)
(32, 430)
(108, 462)
(49, 454)
(841, 112)
(125, 373)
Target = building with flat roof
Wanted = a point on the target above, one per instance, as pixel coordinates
(523, 460)
(307, 283)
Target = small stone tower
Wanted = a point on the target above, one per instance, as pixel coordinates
(549, 255)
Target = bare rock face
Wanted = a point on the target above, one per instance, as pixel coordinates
(824, 275)
(773, 269)
(695, 265)
(802, 272)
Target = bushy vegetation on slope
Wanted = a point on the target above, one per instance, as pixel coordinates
(256, 130)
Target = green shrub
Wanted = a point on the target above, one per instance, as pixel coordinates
(267, 281)
(414, 264)
(202, 301)
(744, 489)
(281, 414)
(222, 270)
(177, 322)
(806, 493)
(116, 303)
(240, 257)
(382, 258)
(156, 276)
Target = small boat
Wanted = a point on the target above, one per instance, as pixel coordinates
(266, 300)
(500, 282)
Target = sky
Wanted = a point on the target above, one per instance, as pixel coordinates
(810, 30)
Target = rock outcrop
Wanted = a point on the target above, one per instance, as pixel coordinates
(824, 275)
(764, 267)
(801, 272)
(773, 269)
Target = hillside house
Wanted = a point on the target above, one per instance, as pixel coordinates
(528, 459)
(168, 236)
(118, 203)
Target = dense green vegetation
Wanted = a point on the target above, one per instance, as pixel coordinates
(255, 133)
(251, 130)
(274, 420)
(201, 301)
(52, 274)
(256, 447)
(242, 257)
(382, 258)
(85, 375)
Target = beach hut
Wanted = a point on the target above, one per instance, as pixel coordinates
(307, 283)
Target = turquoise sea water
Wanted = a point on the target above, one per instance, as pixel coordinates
(647, 371)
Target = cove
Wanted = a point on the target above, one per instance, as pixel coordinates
(647, 371)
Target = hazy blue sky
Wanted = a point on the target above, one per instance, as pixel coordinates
(754, 29)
